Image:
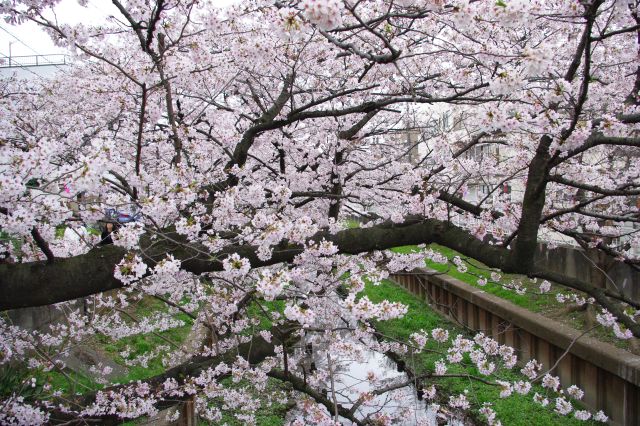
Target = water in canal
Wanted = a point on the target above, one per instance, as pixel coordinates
(362, 372)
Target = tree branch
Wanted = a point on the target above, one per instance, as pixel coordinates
(38, 283)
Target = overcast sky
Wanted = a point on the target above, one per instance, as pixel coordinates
(29, 39)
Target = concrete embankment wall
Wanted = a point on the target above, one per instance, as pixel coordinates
(41, 317)
(591, 266)
(609, 376)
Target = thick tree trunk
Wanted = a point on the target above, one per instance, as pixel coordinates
(524, 247)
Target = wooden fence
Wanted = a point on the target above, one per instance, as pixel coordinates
(609, 376)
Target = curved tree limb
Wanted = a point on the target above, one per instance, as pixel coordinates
(39, 283)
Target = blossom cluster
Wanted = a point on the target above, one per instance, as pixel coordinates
(270, 285)
(608, 320)
(131, 268)
(17, 412)
(326, 14)
(364, 309)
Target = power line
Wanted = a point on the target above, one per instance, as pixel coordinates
(28, 47)
(18, 39)
(98, 8)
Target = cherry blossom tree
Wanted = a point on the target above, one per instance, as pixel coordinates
(247, 136)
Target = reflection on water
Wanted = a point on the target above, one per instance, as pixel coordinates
(360, 374)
